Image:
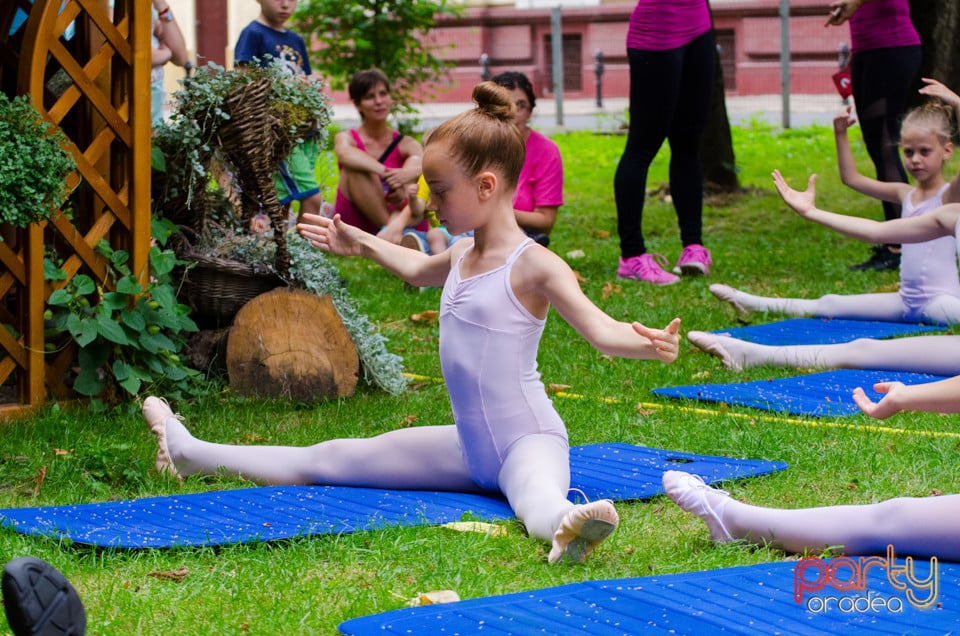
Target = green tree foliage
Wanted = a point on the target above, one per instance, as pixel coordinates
(392, 35)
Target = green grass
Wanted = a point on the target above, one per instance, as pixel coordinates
(310, 585)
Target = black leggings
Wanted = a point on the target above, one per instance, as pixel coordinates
(881, 80)
(669, 99)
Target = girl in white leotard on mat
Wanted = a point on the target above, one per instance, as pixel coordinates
(497, 289)
(923, 354)
(915, 526)
(929, 286)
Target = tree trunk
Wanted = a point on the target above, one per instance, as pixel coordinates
(716, 147)
(292, 344)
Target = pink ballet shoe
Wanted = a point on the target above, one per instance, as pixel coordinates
(156, 411)
(582, 529)
(708, 343)
(693, 495)
(729, 295)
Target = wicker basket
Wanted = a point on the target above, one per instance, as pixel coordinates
(216, 289)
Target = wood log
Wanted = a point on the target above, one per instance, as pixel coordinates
(291, 343)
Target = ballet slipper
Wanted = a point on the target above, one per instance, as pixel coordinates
(156, 411)
(709, 343)
(693, 495)
(729, 295)
(582, 529)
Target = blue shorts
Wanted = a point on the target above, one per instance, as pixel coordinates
(297, 179)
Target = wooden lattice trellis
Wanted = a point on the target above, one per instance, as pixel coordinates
(87, 70)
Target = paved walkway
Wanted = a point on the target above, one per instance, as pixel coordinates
(583, 114)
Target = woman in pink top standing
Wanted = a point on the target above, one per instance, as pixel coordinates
(885, 59)
(670, 49)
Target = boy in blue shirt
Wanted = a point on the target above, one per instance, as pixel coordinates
(266, 39)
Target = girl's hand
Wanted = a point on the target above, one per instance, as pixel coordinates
(886, 406)
(843, 121)
(801, 202)
(933, 88)
(665, 341)
(331, 235)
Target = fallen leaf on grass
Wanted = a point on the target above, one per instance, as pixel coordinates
(557, 388)
(490, 529)
(408, 421)
(431, 598)
(572, 254)
(645, 412)
(429, 315)
(170, 575)
(38, 480)
(600, 234)
(609, 289)
(59, 452)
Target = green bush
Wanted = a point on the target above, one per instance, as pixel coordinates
(34, 163)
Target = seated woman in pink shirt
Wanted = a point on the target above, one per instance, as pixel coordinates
(540, 189)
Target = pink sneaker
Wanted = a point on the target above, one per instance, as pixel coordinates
(694, 261)
(647, 267)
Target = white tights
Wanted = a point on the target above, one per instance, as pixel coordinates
(936, 355)
(922, 526)
(534, 477)
(942, 309)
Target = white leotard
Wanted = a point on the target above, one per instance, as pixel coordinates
(927, 269)
(488, 355)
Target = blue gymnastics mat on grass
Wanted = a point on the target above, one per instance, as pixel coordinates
(754, 599)
(797, 331)
(825, 394)
(601, 471)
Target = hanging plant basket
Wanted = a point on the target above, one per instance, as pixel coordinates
(216, 288)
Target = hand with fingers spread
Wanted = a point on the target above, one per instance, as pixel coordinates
(801, 202)
(331, 235)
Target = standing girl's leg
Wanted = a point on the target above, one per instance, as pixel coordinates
(918, 526)
(424, 457)
(655, 78)
(535, 478)
(685, 134)
(937, 355)
(887, 306)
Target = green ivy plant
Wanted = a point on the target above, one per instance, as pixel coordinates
(128, 338)
(34, 166)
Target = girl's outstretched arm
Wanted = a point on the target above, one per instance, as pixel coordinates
(337, 237)
(917, 229)
(934, 397)
(892, 191)
(540, 274)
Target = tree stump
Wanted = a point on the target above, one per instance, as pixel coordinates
(291, 343)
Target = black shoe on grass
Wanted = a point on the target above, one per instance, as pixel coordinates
(883, 258)
(39, 601)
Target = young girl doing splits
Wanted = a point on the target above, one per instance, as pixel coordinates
(497, 289)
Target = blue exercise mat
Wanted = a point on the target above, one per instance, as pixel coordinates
(755, 599)
(818, 394)
(797, 331)
(612, 471)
